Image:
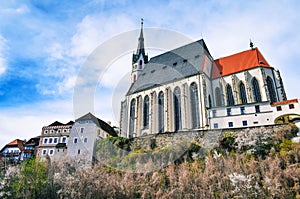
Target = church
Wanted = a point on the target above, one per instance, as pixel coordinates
(186, 89)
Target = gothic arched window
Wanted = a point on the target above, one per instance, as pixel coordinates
(243, 95)
(177, 109)
(194, 105)
(131, 117)
(218, 96)
(271, 89)
(230, 99)
(140, 64)
(209, 102)
(161, 112)
(146, 112)
(256, 90)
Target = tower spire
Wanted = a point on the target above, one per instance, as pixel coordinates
(141, 47)
(139, 59)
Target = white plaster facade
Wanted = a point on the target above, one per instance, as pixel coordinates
(252, 85)
(85, 133)
(255, 114)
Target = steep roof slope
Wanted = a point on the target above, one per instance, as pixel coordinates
(173, 65)
(106, 127)
(15, 143)
(239, 62)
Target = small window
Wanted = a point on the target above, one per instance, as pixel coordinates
(152, 71)
(245, 123)
(216, 125)
(44, 151)
(52, 131)
(51, 152)
(85, 140)
(228, 111)
(78, 151)
(230, 124)
(256, 122)
(75, 140)
(197, 56)
(257, 109)
(50, 140)
(164, 67)
(175, 63)
(58, 131)
(64, 139)
(291, 106)
(45, 141)
(242, 110)
(278, 108)
(185, 60)
(46, 132)
(65, 130)
(214, 113)
(55, 140)
(81, 130)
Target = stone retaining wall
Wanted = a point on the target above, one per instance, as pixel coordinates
(206, 138)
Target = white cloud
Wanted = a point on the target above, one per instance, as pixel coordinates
(21, 9)
(95, 29)
(3, 48)
(27, 121)
(56, 51)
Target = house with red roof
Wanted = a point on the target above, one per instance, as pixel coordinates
(11, 152)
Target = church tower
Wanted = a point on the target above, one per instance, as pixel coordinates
(139, 59)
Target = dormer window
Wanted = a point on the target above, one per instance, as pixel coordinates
(175, 63)
(185, 61)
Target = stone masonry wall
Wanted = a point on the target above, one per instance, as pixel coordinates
(208, 138)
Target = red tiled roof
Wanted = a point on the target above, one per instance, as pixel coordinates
(15, 142)
(285, 102)
(239, 62)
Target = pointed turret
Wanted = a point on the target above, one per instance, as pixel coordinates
(139, 59)
(141, 48)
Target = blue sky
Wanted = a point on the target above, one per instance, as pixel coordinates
(44, 43)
